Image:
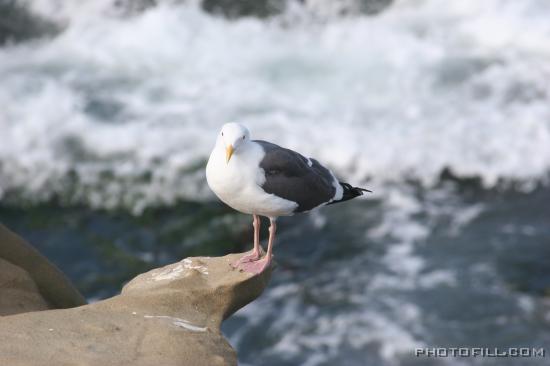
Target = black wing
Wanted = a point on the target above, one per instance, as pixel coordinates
(289, 176)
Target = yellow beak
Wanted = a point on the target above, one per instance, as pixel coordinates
(228, 152)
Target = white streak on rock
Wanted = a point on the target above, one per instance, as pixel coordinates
(189, 326)
(178, 322)
(177, 271)
(168, 273)
(188, 263)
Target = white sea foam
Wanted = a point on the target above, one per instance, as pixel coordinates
(127, 106)
(397, 291)
(301, 329)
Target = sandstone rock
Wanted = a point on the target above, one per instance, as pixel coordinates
(18, 291)
(28, 281)
(168, 316)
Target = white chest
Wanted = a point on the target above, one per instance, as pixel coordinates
(238, 183)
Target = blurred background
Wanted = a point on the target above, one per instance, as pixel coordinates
(109, 109)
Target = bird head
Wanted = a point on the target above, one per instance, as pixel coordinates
(232, 136)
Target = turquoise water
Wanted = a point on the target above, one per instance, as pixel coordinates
(361, 283)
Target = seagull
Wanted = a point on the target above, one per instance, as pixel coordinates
(263, 179)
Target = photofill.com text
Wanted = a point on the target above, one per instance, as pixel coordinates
(479, 352)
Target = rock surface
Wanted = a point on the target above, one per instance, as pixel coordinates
(28, 281)
(167, 316)
(18, 291)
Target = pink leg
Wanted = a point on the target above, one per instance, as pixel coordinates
(272, 229)
(255, 255)
(259, 266)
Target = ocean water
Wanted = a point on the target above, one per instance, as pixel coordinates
(441, 108)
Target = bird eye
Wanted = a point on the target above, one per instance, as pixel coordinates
(222, 133)
(243, 137)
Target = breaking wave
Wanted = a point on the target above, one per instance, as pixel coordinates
(124, 110)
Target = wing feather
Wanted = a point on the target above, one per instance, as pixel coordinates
(293, 177)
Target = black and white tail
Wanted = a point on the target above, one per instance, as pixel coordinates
(350, 192)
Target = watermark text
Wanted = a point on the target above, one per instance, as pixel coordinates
(479, 352)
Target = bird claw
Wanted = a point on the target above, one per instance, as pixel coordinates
(255, 267)
(252, 257)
